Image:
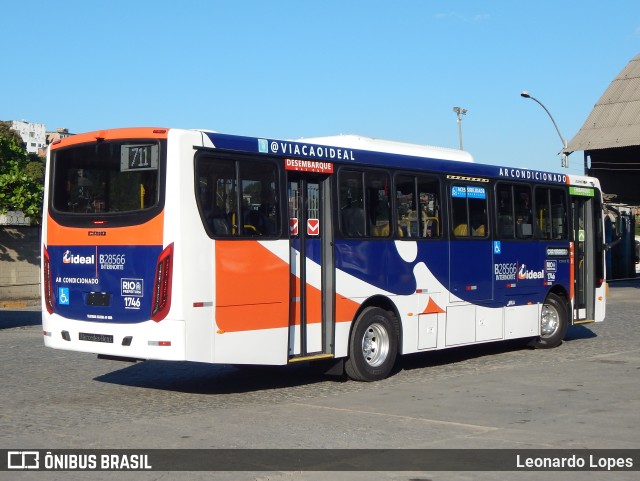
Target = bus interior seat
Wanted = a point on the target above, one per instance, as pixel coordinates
(479, 231)
(461, 230)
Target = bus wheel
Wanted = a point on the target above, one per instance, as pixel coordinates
(373, 346)
(554, 322)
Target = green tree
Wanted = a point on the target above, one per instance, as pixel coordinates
(21, 179)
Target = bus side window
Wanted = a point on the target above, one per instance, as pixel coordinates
(352, 218)
(559, 215)
(364, 203)
(429, 212)
(259, 198)
(406, 206)
(551, 213)
(504, 207)
(522, 204)
(469, 211)
(377, 206)
(459, 211)
(232, 206)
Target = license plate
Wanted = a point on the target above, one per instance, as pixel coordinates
(84, 336)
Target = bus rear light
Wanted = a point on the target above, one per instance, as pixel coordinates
(47, 333)
(161, 302)
(159, 343)
(46, 278)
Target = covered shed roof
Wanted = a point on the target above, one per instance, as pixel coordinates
(615, 119)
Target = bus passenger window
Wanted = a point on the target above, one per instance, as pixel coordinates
(364, 204)
(469, 211)
(429, 199)
(504, 206)
(513, 207)
(378, 203)
(417, 207)
(551, 213)
(459, 213)
(226, 210)
(522, 204)
(406, 207)
(352, 218)
(558, 215)
(259, 199)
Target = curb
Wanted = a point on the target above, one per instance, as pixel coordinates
(18, 304)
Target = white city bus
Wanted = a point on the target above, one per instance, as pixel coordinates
(193, 245)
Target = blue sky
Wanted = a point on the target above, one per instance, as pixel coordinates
(291, 69)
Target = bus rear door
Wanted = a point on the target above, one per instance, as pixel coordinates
(311, 328)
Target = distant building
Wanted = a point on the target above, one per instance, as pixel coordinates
(52, 137)
(610, 137)
(610, 140)
(57, 135)
(33, 135)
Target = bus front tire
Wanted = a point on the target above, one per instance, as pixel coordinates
(554, 322)
(373, 346)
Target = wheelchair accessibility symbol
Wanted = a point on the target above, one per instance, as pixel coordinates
(63, 296)
(497, 248)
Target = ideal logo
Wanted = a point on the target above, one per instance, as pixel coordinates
(524, 273)
(69, 258)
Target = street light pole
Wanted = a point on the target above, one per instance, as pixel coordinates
(459, 113)
(565, 159)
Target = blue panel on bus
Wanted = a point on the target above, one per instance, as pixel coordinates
(390, 271)
(520, 273)
(471, 263)
(103, 283)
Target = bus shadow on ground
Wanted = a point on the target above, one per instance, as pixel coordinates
(16, 318)
(579, 332)
(421, 360)
(210, 379)
(477, 351)
(214, 379)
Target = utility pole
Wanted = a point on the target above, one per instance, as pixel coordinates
(459, 113)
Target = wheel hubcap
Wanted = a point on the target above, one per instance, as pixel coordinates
(549, 321)
(375, 345)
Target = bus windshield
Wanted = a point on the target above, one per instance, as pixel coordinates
(106, 177)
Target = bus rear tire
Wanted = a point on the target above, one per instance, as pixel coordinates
(373, 346)
(554, 322)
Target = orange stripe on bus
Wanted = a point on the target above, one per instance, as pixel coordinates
(149, 233)
(345, 309)
(113, 134)
(252, 287)
(256, 290)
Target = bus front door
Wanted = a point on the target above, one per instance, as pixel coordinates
(584, 235)
(312, 263)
